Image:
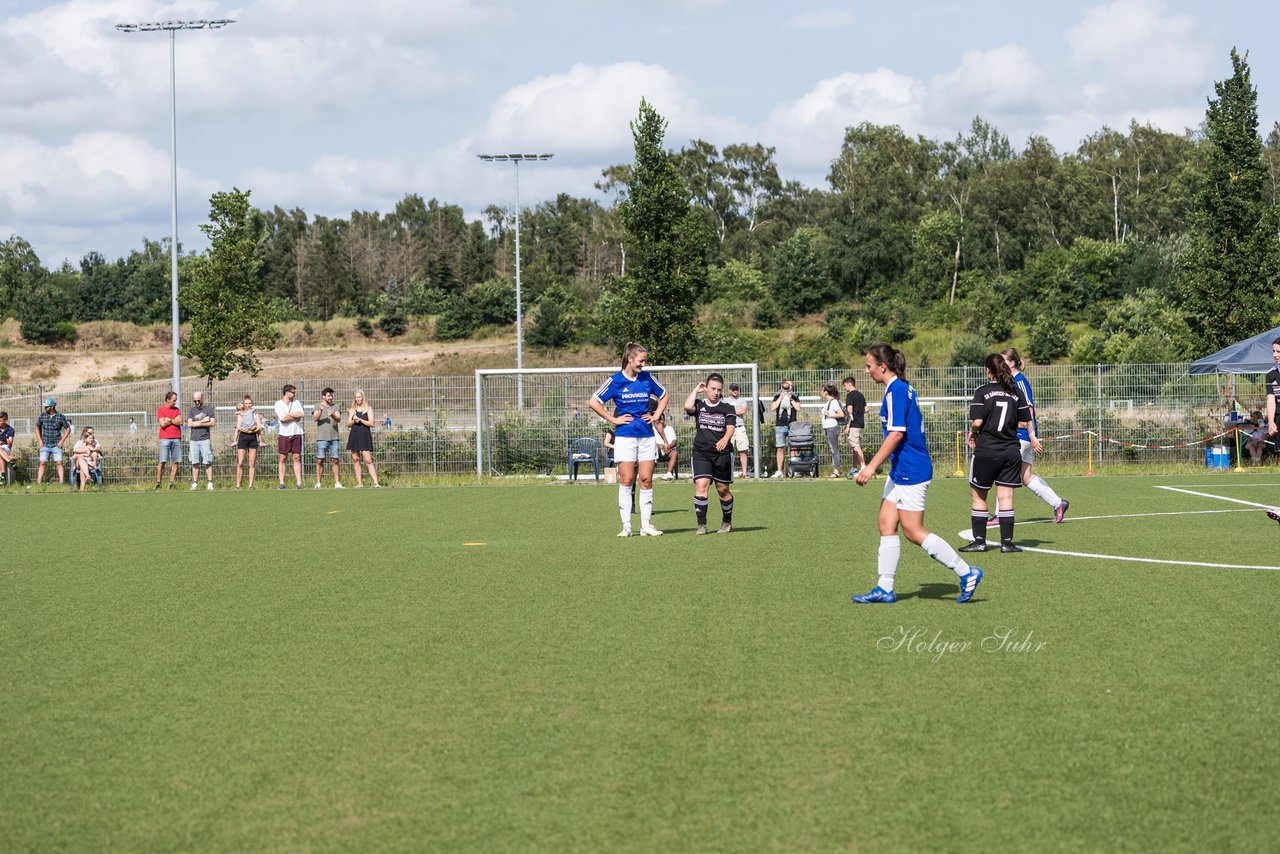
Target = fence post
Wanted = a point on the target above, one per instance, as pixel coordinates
(434, 422)
(1098, 384)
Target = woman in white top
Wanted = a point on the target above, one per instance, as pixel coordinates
(832, 416)
(248, 434)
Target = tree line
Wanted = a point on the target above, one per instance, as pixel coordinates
(1159, 244)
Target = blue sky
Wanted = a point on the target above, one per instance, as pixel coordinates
(334, 106)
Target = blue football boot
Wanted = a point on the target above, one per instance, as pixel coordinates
(877, 594)
(968, 584)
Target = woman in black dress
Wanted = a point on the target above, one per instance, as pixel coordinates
(360, 437)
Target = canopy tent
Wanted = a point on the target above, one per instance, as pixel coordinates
(1250, 356)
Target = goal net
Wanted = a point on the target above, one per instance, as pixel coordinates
(527, 419)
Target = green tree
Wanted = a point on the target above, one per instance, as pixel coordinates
(882, 181)
(223, 298)
(44, 310)
(802, 282)
(20, 270)
(667, 252)
(1048, 339)
(553, 322)
(1229, 286)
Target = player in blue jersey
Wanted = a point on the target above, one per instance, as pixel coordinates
(910, 471)
(1029, 444)
(635, 448)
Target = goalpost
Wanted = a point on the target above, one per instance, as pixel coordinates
(525, 418)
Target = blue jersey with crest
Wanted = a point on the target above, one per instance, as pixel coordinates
(631, 397)
(909, 463)
(1021, 382)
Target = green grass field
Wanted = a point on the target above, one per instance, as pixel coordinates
(489, 668)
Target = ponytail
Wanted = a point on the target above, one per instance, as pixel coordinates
(999, 370)
(1012, 355)
(629, 352)
(894, 360)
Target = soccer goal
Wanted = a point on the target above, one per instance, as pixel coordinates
(527, 419)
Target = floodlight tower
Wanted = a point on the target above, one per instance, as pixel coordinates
(515, 160)
(172, 27)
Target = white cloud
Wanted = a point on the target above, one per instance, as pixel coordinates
(72, 69)
(65, 196)
(588, 110)
(809, 131)
(1003, 78)
(829, 19)
(1136, 43)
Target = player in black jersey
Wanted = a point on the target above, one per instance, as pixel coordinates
(998, 410)
(1273, 396)
(712, 455)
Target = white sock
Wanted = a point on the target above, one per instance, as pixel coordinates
(887, 560)
(646, 506)
(941, 551)
(624, 504)
(1044, 492)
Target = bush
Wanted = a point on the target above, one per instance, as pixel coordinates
(364, 327)
(494, 302)
(393, 323)
(1048, 339)
(1087, 350)
(552, 326)
(456, 321)
(968, 350)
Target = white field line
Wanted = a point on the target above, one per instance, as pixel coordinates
(1217, 497)
(968, 535)
(1149, 559)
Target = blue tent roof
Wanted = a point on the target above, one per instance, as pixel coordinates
(1250, 356)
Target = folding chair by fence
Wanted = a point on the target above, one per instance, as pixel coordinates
(584, 451)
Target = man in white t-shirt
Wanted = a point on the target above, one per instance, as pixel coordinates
(289, 442)
(741, 440)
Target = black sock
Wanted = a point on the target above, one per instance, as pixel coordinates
(1006, 525)
(726, 507)
(700, 509)
(978, 525)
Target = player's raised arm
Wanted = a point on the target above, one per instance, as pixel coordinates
(692, 399)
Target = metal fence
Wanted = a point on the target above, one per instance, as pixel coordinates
(1110, 415)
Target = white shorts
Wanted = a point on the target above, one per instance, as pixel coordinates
(629, 449)
(906, 497)
(1024, 447)
(740, 440)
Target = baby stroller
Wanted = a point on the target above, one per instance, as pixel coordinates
(802, 456)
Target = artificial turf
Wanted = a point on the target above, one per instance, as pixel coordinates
(490, 668)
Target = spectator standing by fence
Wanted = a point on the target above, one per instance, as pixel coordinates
(289, 443)
(832, 417)
(248, 438)
(6, 447)
(360, 438)
(855, 412)
(169, 417)
(53, 428)
(786, 407)
(327, 417)
(201, 421)
(741, 443)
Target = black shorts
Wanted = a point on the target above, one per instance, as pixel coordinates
(1003, 470)
(717, 467)
(247, 441)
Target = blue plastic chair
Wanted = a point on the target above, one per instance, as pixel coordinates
(584, 451)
